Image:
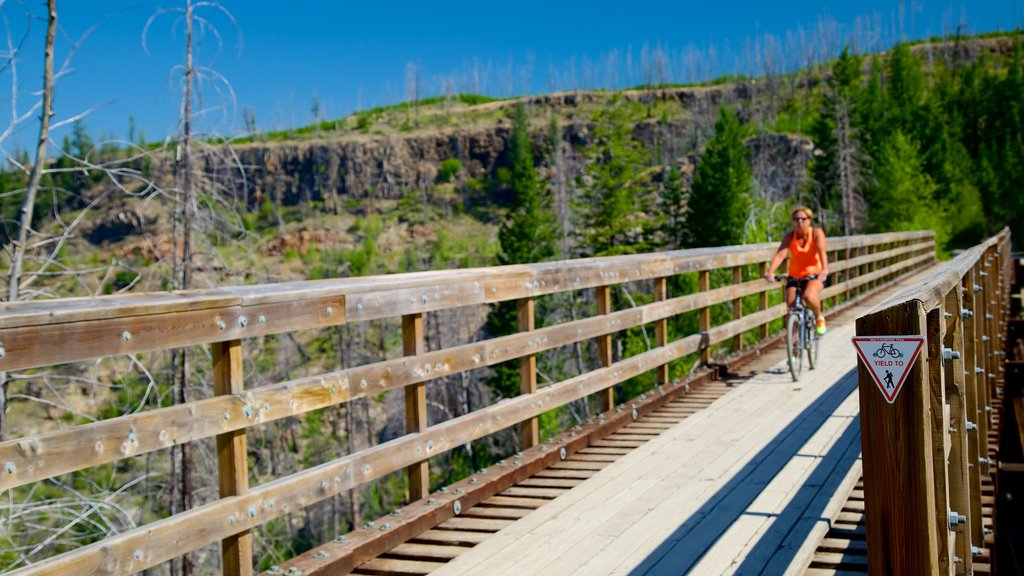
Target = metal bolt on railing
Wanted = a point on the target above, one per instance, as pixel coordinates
(983, 274)
(947, 315)
(321, 554)
(955, 519)
(971, 426)
(457, 507)
(977, 288)
(957, 560)
(950, 354)
(979, 370)
(984, 461)
(985, 338)
(975, 551)
(562, 453)
(126, 335)
(988, 408)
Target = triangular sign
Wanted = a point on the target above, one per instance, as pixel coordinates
(888, 359)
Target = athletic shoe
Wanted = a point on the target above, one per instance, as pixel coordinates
(821, 327)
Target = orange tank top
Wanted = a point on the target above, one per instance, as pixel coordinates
(803, 260)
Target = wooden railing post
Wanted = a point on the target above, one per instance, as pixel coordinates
(413, 344)
(737, 308)
(938, 429)
(232, 458)
(898, 461)
(661, 375)
(983, 350)
(604, 344)
(763, 300)
(704, 284)
(973, 382)
(958, 468)
(525, 309)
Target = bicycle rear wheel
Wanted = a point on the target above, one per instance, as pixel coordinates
(793, 352)
(811, 340)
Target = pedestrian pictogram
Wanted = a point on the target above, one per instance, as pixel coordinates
(888, 359)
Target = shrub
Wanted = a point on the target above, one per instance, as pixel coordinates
(449, 168)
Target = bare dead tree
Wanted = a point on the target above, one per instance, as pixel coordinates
(29, 200)
(849, 164)
(187, 202)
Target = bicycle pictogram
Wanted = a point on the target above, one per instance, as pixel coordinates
(887, 349)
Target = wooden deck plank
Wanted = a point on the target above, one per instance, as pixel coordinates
(427, 552)
(451, 537)
(389, 566)
(512, 502)
(475, 524)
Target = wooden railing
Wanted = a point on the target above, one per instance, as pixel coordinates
(925, 453)
(40, 334)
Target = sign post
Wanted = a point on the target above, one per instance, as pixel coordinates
(896, 440)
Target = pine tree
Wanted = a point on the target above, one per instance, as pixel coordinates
(615, 200)
(719, 199)
(528, 234)
(673, 209)
(529, 231)
(903, 197)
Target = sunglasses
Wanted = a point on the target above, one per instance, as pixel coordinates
(800, 218)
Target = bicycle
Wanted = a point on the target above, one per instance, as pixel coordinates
(801, 333)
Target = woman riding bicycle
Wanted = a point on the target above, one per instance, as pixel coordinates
(808, 256)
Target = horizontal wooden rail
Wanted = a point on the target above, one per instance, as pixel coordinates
(97, 327)
(122, 324)
(925, 451)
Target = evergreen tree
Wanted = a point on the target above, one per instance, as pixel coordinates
(904, 195)
(719, 200)
(673, 209)
(615, 218)
(528, 234)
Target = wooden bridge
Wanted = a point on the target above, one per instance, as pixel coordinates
(733, 468)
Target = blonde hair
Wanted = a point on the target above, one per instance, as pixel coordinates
(807, 211)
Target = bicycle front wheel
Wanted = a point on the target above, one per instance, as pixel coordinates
(811, 340)
(793, 345)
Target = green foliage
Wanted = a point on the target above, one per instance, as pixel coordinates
(449, 168)
(673, 209)
(904, 195)
(720, 197)
(615, 201)
(527, 235)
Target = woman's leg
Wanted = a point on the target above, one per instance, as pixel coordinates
(790, 292)
(811, 298)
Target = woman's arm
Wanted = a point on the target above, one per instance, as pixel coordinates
(822, 245)
(780, 254)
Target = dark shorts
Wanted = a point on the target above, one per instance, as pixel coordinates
(800, 283)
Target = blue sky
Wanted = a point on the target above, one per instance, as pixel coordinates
(352, 55)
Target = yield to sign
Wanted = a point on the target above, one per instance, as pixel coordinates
(888, 359)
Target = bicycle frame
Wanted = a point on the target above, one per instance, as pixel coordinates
(806, 337)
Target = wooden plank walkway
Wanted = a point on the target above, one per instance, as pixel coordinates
(748, 485)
